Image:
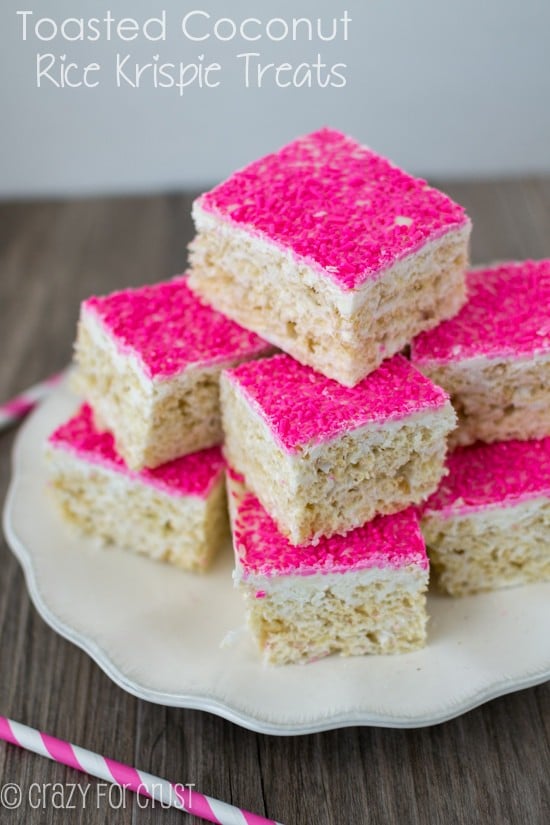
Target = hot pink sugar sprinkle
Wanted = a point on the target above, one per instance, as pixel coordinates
(302, 407)
(386, 542)
(335, 204)
(168, 328)
(507, 316)
(483, 476)
(191, 475)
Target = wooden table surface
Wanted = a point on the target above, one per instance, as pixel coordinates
(490, 765)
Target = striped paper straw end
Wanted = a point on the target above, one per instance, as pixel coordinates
(17, 408)
(182, 797)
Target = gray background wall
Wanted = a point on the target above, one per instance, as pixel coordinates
(457, 89)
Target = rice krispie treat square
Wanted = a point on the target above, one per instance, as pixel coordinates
(323, 458)
(488, 524)
(330, 252)
(362, 593)
(149, 361)
(175, 513)
(493, 358)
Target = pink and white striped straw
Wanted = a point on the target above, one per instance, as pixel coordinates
(167, 793)
(13, 411)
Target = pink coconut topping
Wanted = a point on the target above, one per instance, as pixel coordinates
(507, 316)
(386, 542)
(191, 475)
(337, 205)
(486, 476)
(169, 329)
(302, 407)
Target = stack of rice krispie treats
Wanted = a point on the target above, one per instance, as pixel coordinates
(339, 259)
(274, 372)
(488, 525)
(140, 464)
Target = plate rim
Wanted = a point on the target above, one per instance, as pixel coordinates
(208, 704)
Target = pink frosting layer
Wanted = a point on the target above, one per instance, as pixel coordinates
(191, 475)
(168, 328)
(507, 316)
(337, 205)
(386, 542)
(302, 407)
(485, 476)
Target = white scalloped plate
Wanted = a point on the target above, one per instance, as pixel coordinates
(178, 639)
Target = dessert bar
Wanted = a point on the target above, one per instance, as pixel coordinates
(330, 252)
(362, 593)
(176, 512)
(493, 358)
(488, 524)
(324, 458)
(149, 361)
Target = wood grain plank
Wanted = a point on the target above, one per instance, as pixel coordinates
(490, 765)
